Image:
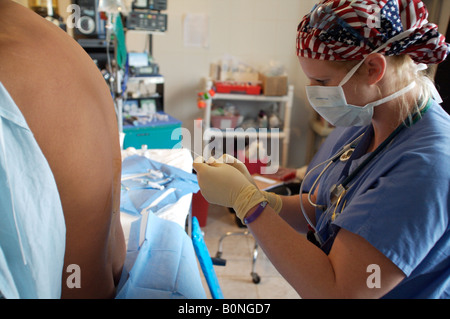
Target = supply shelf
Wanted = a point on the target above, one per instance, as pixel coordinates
(285, 106)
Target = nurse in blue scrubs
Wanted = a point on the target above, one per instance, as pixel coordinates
(375, 200)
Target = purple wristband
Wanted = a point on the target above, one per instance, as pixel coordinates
(256, 213)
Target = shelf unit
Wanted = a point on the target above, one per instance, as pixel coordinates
(157, 80)
(285, 109)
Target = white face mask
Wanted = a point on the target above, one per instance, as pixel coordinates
(331, 104)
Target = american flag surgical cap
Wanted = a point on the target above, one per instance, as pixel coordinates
(343, 30)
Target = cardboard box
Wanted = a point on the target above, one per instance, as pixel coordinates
(274, 85)
(216, 73)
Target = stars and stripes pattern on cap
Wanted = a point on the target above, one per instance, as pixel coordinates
(352, 29)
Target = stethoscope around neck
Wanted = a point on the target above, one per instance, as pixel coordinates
(338, 191)
(343, 154)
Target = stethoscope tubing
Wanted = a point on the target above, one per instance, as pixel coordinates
(330, 161)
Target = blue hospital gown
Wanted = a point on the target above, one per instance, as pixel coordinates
(400, 202)
(32, 227)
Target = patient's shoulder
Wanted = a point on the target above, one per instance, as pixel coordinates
(44, 69)
(30, 42)
(57, 87)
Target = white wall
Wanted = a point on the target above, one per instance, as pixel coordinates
(257, 31)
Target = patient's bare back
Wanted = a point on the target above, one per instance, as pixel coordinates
(69, 109)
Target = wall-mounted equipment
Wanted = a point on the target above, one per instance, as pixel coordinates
(147, 21)
(157, 5)
(140, 64)
(146, 16)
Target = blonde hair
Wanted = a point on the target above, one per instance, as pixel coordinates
(404, 71)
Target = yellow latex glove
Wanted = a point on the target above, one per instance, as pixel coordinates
(273, 199)
(224, 185)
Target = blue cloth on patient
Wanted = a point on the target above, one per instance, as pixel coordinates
(32, 227)
(164, 267)
(139, 197)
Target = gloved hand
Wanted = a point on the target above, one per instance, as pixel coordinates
(273, 199)
(224, 185)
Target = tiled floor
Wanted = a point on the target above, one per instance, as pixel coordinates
(234, 278)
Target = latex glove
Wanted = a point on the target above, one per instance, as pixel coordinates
(224, 185)
(230, 160)
(273, 199)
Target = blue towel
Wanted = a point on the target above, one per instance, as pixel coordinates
(164, 267)
(136, 197)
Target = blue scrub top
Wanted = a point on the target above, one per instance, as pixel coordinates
(400, 201)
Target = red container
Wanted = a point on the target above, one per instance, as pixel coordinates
(200, 208)
(254, 166)
(237, 87)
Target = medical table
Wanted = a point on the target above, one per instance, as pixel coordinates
(160, 262)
